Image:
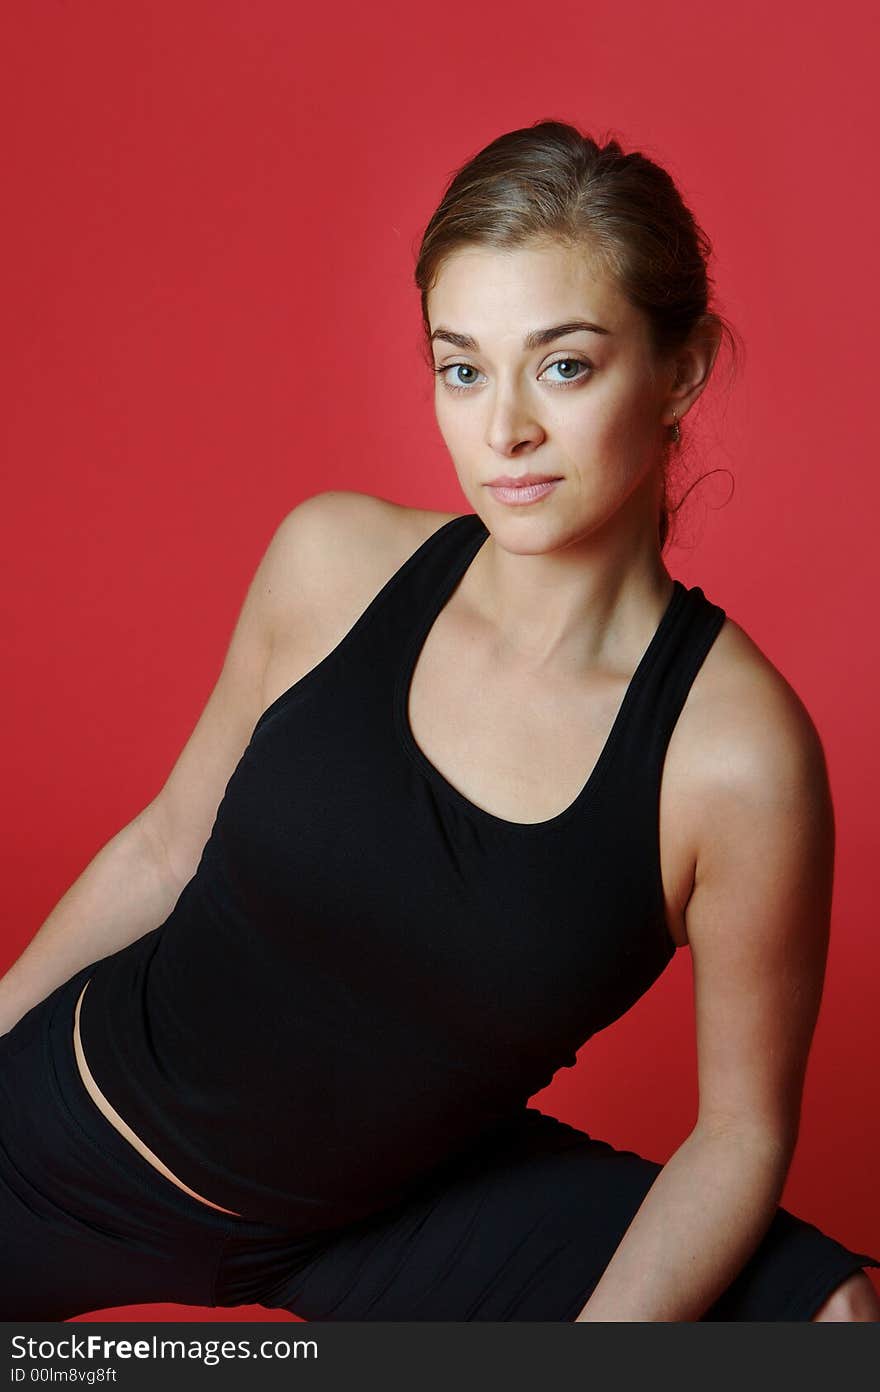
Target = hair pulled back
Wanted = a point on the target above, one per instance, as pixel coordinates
(549, 181)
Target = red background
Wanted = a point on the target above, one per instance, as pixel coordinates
(212, 216)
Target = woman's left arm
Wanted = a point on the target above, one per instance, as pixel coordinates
(758, 925)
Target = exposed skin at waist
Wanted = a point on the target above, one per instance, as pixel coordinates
(117, 1122)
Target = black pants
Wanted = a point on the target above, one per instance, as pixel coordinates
(521, 1229)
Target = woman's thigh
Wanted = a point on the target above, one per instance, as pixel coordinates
(86, 1222)
(521, 1229)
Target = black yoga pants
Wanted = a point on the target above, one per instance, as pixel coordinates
(520, 1229)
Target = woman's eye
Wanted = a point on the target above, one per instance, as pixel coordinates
(569, 363)
(563, 363)
(455, 367)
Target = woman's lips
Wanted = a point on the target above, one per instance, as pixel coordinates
(524, 493)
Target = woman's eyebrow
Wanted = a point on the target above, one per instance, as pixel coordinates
(538, 338)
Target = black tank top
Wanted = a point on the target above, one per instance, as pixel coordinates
(368, 972)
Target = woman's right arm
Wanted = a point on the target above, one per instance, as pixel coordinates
(124, 892)
(134, 881)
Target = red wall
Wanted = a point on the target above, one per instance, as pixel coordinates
(212, 216)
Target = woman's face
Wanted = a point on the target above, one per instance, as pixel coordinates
(586, 408)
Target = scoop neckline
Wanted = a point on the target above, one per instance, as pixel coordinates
(419, 758)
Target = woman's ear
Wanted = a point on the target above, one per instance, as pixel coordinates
(693, 365)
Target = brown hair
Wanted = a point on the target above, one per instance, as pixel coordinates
(550, 181)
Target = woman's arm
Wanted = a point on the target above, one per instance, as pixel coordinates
(134, 881)
(331, 542)
(701, 1220)
(758, 927)
(127, 889)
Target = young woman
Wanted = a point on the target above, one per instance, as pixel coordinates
(466, 783)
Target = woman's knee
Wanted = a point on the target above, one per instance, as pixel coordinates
(854, 1299)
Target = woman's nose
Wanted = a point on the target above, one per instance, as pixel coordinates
(512, 423)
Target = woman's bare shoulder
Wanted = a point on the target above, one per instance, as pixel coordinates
(356, 533)
(742, 698)
(745, 734)
(335, 550)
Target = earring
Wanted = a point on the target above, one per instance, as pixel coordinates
(676, 428)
